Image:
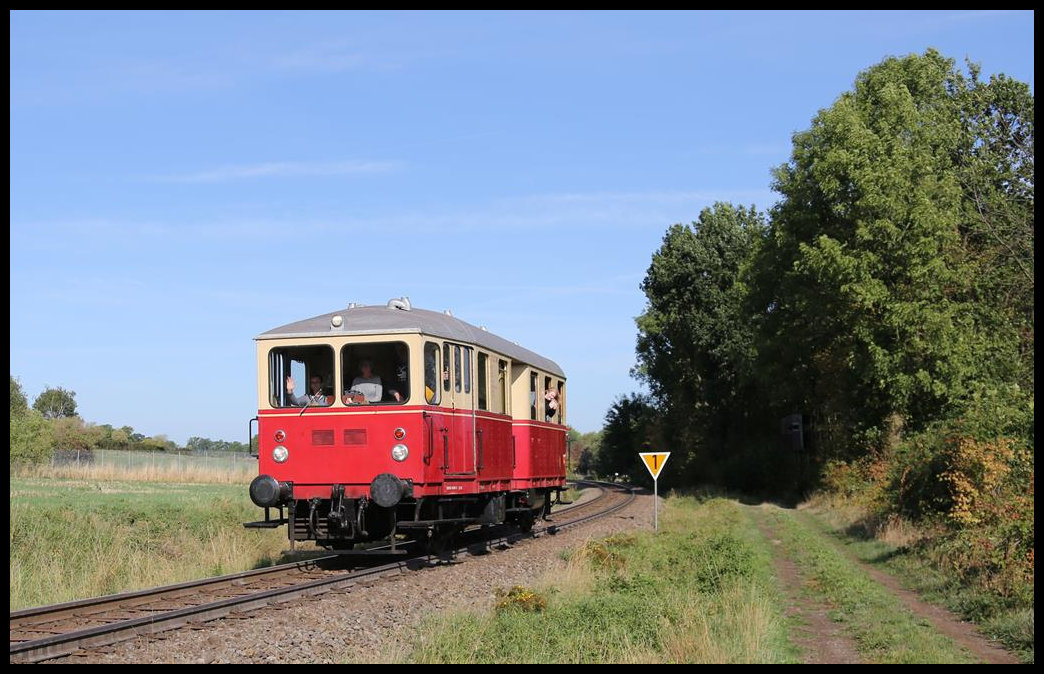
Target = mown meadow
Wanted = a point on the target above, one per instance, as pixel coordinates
(123, 523)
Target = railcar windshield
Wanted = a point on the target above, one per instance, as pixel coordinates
(375, 373)
(300, 376)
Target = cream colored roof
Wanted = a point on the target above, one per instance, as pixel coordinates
(382, 320)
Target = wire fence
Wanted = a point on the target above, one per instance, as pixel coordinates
(206, 466)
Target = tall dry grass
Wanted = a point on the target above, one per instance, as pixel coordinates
(128, 521)
(702, 590)
(146, 467)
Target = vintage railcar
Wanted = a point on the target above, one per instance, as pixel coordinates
(411, 422)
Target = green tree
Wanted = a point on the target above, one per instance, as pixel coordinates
(31, 438)
(586, 461)
(198, 444)
(73, 433)
(119, 439)
(995, 170)
(54, 403)
(158, 443)
(695, 343)
(585, 451)
(870, 287)
(19, 403)
(631, 426)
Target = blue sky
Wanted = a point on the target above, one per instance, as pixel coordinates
(182, 182)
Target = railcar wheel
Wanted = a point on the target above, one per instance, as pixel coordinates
(525, 522)
(440, 539)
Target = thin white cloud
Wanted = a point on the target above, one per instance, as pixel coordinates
(978, 15)
(758, 149)
(283, 170)
(650, 197)
(341, 55)
(597, 212)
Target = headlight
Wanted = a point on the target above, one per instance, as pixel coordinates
(400, 452)
(280, 454)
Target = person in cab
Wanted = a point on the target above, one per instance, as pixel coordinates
(315, 397)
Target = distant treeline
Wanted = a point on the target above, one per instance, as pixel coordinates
(52, 424)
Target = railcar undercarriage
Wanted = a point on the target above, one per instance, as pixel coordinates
(340, 522)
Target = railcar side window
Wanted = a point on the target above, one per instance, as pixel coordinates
(532, 395)
(446, 360)
(309, 368)
(432, 368)
(550, 400)
(501, 397)
(467, 368)
(375, 373)
(483, 367)
(456, 369)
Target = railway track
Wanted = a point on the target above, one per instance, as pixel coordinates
(48, 632)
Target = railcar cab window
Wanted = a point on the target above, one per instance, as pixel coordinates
(375, 373)
(301, 376)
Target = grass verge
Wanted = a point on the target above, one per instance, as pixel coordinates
(885, 631)
(917, 561)
(701, 590)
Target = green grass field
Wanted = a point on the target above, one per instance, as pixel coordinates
(72, 538)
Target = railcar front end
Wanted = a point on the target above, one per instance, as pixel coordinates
(413, 422)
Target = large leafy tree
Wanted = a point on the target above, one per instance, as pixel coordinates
(899, 252)
(695, 337)
(56, 402)
(995, 171)
(31, 437)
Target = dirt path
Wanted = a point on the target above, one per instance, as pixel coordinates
(821, 639)
(950, 624)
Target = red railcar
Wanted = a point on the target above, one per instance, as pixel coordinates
(382, 420)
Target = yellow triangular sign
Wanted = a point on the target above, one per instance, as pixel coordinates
(654, 461)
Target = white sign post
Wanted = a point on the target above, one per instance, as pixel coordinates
(654, 462)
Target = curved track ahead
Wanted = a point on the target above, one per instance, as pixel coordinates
(52, 631)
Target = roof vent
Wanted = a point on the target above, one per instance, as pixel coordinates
(402, 303)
